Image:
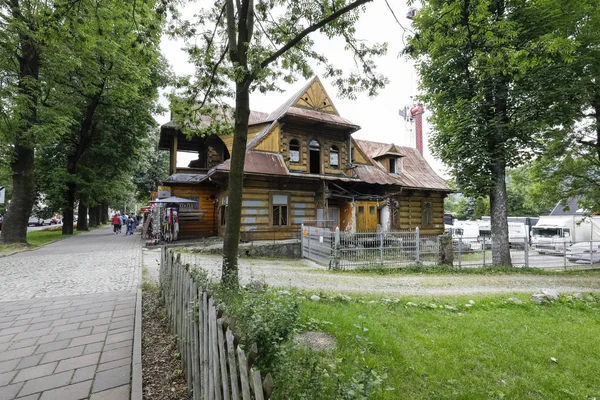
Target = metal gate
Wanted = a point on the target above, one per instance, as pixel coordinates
(317, 244)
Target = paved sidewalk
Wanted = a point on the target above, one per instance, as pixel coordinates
(77, 346)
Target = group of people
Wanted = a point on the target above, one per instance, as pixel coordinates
(130, 223)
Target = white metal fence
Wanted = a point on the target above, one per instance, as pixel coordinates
(343, 250)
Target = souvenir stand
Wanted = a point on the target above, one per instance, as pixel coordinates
(163, 223)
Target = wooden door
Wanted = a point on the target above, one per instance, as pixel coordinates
(366, 216)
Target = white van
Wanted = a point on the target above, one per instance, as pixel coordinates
(468, 232)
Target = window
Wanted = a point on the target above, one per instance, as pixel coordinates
(361, 209)
(392, 165)
(371, 210)
(280, 210)
(334, 157)
(426, 218)
(294, 151)
(315, 157)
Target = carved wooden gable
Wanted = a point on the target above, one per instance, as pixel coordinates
(316, 98)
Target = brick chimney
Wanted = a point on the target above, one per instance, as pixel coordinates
(417, 114)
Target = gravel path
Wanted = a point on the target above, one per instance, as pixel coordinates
(304, 274)
(93, 262)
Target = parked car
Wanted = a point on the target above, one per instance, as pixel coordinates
(583, 252)
(34, 221)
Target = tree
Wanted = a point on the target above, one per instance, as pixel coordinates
(488, 71)
(152, 169)
(248, 45)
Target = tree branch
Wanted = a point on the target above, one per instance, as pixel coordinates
(311, 29)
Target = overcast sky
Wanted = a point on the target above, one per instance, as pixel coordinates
(378, 116)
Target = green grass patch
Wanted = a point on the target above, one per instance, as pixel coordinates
(39, 238)
(415, 269)
(491, 349)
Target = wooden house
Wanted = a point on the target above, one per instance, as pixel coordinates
(303, 166)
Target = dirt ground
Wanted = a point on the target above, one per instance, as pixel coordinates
(304, 274)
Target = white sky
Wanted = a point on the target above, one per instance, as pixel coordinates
(377, 116)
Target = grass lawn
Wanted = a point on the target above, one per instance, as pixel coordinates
(37, 239)
(490, 350)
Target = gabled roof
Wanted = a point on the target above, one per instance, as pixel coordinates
(416, 172)
(311, 101)
(258, 162)
(256, 117)
(389, 150)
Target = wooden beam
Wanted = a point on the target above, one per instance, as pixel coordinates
(173, 155)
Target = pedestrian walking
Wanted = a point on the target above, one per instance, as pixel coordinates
(116, 223)
(130, 226)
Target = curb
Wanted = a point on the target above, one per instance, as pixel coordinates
(136, 374)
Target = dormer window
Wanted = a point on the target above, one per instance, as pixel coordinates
(392, 165)
(334, 157)
(294, 151)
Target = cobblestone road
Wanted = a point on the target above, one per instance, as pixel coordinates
(67, 319)
(92, 262)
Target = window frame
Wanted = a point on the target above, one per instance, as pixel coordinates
(334, 150)
(281, 207)
(427, 213)
(294, 142)
(394, 168)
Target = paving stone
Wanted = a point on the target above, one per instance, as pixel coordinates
(87, 317)
(60, 322)
(62, 354)
(47, 347)
(35, 372)
(28, 315)
(6, 377)
(114, 332)
(19, 353)
(105, 314)
(52, 311)
(6, 366)
(77, 362)
(34, 396)
(45, 318)
(47, 338)
(22, 343)
(99, 329)
(114, 364)
(30, 361)
(6, 324)
(115, 354)
(74, 334)
(72, 392)
(93, 348)
(13, 330)
(10, 391)
(21, 322)
(73, 314)
(66, 327)
(99, 337)
(46, 383)
(118, 345)
(39, 325)
(122, 324)
(7, 338)
(118, 393)
(84, 374)
(95, 322)
(111, 378)
(119, 337)
(124, 312)
(30, 334)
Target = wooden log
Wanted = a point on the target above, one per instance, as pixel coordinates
(257, 383)
(235, 391)
(242, 364)
(197, 331)
(187, 332)
(223, 359)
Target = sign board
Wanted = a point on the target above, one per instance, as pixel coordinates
(2, 194)
(164, 192)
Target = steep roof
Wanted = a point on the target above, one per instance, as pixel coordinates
(416, 172)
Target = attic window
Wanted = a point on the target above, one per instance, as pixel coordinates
(294, 151)
(392, 165)
(334, 157)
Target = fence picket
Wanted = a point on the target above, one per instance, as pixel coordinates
(214, 350)
(243, 365)
(257, 383)
(222, 359)
(235, 391)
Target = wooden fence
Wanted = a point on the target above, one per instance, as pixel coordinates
(216, 368)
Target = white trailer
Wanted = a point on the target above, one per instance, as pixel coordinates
(553, 234)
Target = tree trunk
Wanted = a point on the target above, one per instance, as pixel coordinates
(14, 227)
(236, 185)
(68, 220)
(104, 213)
(499, 215)
(94, 216)
(82, 221)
